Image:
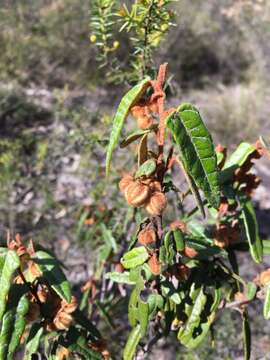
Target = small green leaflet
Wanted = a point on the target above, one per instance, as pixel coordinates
(126, 103)
(147, 168)
(237, 159)
(252, 230)
(12, 262)
(19, 326)
(52, 272)
(33, 340)
(266, 306)
(134, 257)
(133, 137)
(196, 150)
(132, 343)
(6, 330)
(120, 278)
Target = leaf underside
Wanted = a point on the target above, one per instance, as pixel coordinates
(196, 150)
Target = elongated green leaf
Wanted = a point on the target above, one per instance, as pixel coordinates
(12, 262)
(266, 247)
(246, 336)
(147, 168)
(133, 137)
(240, 155)
(266, 306)
(252, 230)
(32, 343)
(6, 331)
(52, 272)
(186, 334)
(143, 315)
(250, 291)
(120, 278)
(132, 308)
(196, 150)
(179, 240)
(132, 343)
(19, 326)
(134, 257)
(237, 159)
(121, 114)
(85, 352)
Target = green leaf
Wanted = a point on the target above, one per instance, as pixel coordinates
(246, 336)
(266, 247)
(186, 333)
(147, 168)
(120, 278)
(266, 306)
(196, 150)
(124, 107)
(6, 331)
(250, 291)
(143, 316)
(133, 137)
(237, 159)
(52, 272)
(252, 230)
(12, 262)
(179, 240)
(132, 343)
(84, 351)
(19, 326)
(134, 257)
(32, 343)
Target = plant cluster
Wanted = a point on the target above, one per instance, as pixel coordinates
(145, 22)
(38, 312)
(183, 272)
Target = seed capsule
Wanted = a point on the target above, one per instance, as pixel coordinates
(264, 277)
(125, 181)
(190, 252)
(154, 264)
(137, 194)
(147, 236)
(156, 204)
(144, 122)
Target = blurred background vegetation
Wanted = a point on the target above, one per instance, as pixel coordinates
(55, 115)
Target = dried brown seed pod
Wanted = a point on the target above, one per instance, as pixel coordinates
(33, 312)
(125, 181)
(182, 272)
(144, 122)
(62, 321)
(147, 236)
(137, 194)
(62, 353)
(178, 225)
(69, 307)
(190, 252)
(154, 264)
(156, 203)
(264, 277)
(155, 186)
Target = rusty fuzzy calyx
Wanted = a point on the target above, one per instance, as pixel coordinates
(156, 204)
(137, 194)
(147, 236)
(154, 264)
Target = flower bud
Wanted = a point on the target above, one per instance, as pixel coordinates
(156, 204)
(125, 181)
(154, 264)
(155, 186)
(147, 236)
(137, 194)
(93, 38)
(190, 252)
(62, 321)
